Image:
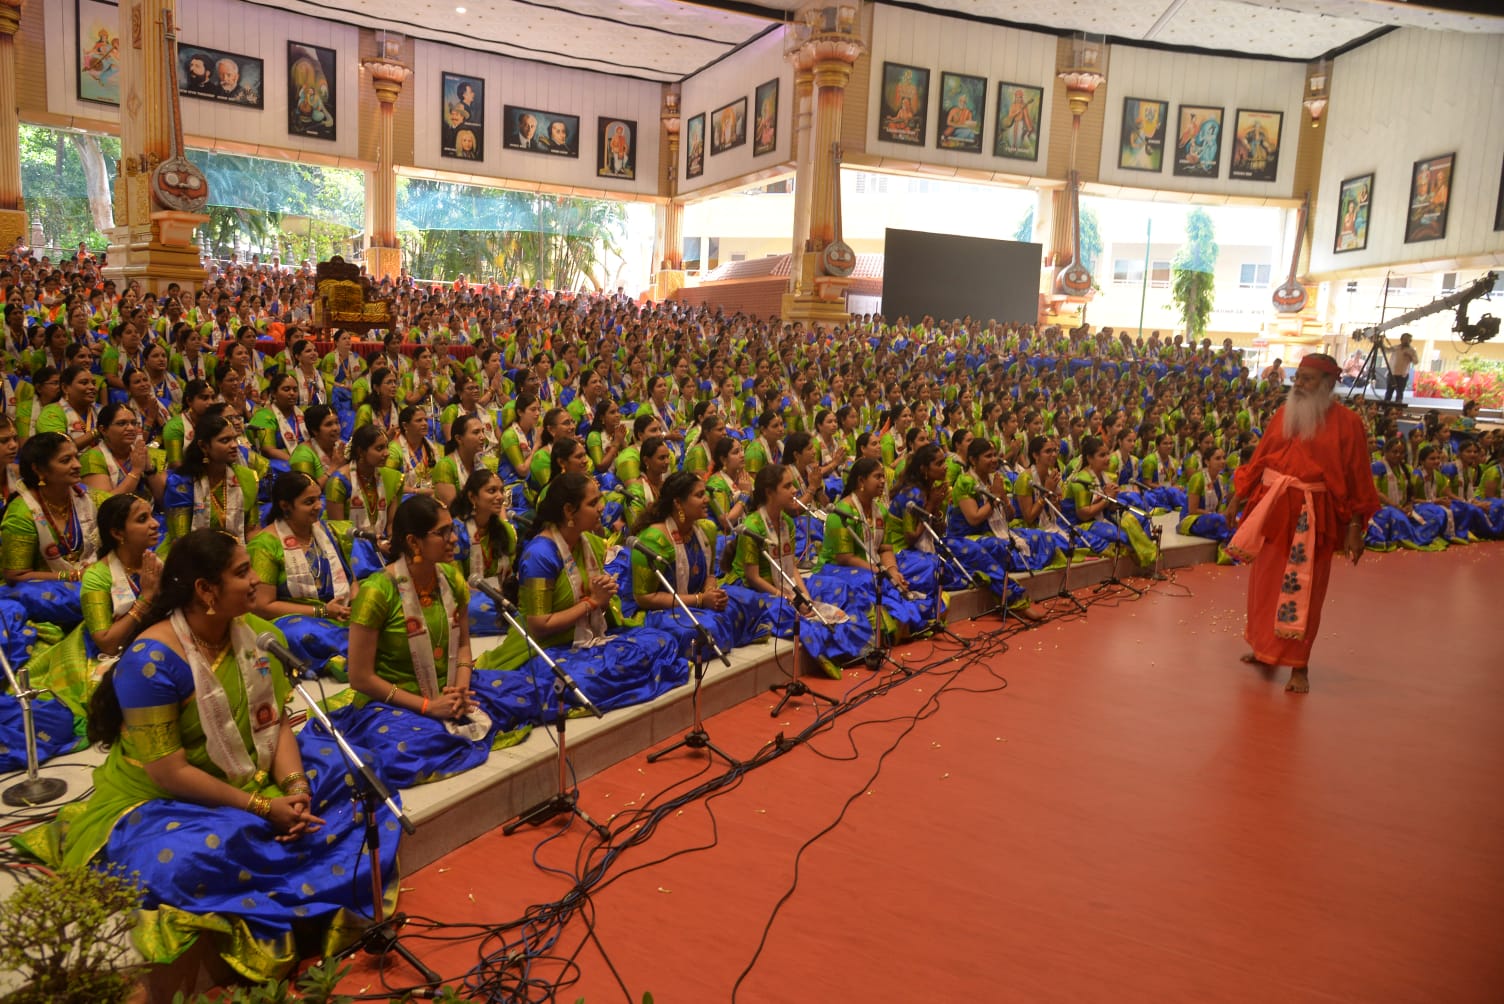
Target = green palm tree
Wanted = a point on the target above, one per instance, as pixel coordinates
(1193, 273)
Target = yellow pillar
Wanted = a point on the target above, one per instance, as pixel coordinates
(821, 297)
(383, 252)
(151, 243)
(669, 255)
(804, 90)
(12, 209)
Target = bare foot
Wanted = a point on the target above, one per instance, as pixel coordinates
(1299, 682)
(1252, 659)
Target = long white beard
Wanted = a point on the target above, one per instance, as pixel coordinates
(1305, 413)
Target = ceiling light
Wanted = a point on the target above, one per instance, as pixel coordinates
(459, 10)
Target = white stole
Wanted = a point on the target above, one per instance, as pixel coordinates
(421, 645)
(359, 514)
(681, 553)
(222, 738)
(123, 592)
(49, 546)
(591, 629)
(301, 583)
(203, 503)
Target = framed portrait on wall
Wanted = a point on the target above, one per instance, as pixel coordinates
(1430, 198)
(1499, 208)
(1198, 142)
(215, 75)
(765, 127)
(963, 100)
(1255, 145)
(728, 125)
(1018, 115)
(310, 91)
(694, 146)
(462, 110)
(538, 131)
(616, 145)
(1354, 200)
(906, 102)
(98, 26)
(1141, 146)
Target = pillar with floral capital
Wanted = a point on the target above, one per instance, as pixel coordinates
(831, 51)
(804, 89)
(669, 254)
(13, 222)
(388, 73)
(152, 242)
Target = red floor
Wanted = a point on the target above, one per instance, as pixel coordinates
(1136, 817)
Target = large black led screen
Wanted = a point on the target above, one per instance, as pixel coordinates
(950, 277)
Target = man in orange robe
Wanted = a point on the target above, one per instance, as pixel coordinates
(1310, 493)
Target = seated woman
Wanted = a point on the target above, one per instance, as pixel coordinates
(304, 585)
(73, 413)
(322, 456)
(468, 404)
(486, 545)
(381, 408)
(978, 532)
(677, 528)
(50, 532)
(411, 453)
(604, 442)
(858, 552)
(730, 486)
(557, 423)
(1160, 471)
(1432, 492)
(198, 396)
(1474, 515)
(117, 592)
(368, 490)
(277, 427)
(568, 599)
(768, 536)
(1206, 496)
(206, 795)
(342, 368)
(410, 668)
(1398, 524)
(1089, 502)
(462, 458)
(1036, 495)
(211, 490)
(1127, 469)
(642, 494)
(801, 457)
(141, 398)
(518, 444)
(120, 464)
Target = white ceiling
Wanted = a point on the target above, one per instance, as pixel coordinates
(667, 40)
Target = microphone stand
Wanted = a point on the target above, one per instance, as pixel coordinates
(696, 738)
(1112, 567)
(795, 687)
(1071, 533)
(381, 937)
(34, 790)
(943, 549)
(563, 800)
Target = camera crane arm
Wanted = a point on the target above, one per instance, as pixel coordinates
(1481, 287)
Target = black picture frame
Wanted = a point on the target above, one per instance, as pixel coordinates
(204, 73)
(728, 126)
(957, 91)
(1257, 138)
(1019, 105)
(765, 118)
(1354, 213)
(1499, 208)
(532, 130)
(905, 99)
(311, 96)
(1141, 143)
(97, 75)
(694, 146)
(616, 148)
(462, 116)
(1430, 200)
(1198, 132)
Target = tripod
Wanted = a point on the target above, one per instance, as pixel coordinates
(793, 687)
(563, 800)
(944, 550)
(1112, 566)
(1368, 375)
(1073, 534)
(696, 738)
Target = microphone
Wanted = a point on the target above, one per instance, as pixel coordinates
(917, 510)
(509, 608)
(753, 535)
(988, 495)
(636, 544)
(369, 535)
(272, 645)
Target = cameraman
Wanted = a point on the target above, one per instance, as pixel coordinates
(1401, 358)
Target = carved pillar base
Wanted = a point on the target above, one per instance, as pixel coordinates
(13, 224)
(383, 263)
(159, 251)
(825, 305)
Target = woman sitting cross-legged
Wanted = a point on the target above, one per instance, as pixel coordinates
(978, 531)
(232, 824)
(1206, 496)
(305, 583)
(568, 600)
(858, 552)
(1398, 524)
(1089, 501)
(677, 528)
(486, 545)
(767, 537)
(211, 489)
(410, 668)
(117, 592)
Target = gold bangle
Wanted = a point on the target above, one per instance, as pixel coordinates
(292, 778)
(388, 698)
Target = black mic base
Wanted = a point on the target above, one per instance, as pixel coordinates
(563, 803)
(695, 739)
(35, 791)
(793, 689)
(381, 939)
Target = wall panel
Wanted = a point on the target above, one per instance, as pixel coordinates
(1409, 96)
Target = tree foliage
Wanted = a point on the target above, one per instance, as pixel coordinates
(1192, 275)
(56, 188)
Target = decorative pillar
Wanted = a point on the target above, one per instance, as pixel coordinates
(12, 210)
(670, 276)
(1082, 77)
(825, 266)
(804, 89)
(388, 74)
(153, 239)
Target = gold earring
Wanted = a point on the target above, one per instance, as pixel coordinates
(209, 608)
(417, 559)
(41, 482)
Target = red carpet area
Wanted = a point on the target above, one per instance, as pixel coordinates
(1115, 808)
